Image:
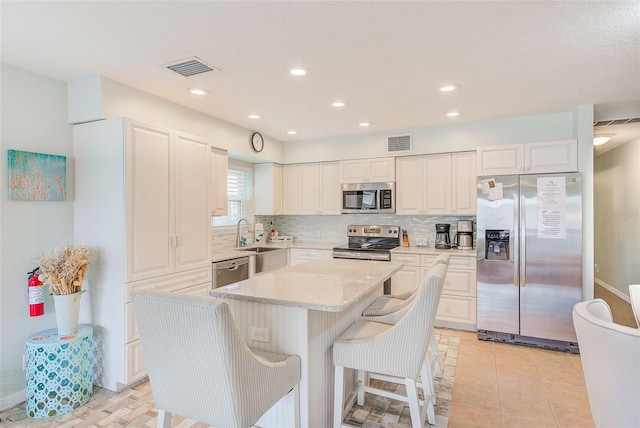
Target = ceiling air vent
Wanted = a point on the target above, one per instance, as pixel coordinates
(399, 143)
(617, 121)
(190, 66)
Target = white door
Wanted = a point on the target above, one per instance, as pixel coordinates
(330, 202)
(500, 160)
(192, 211)
(291, 189)
(436, 178)
(463, 183)
(149, 204)
(353, 171)
(381, 170)
(409, 185)
(554, 156)
(309, 189)
(219, 170)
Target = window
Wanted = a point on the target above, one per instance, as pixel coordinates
(239, 190)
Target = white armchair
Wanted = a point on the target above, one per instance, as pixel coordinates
(610, 355)
(396, 350)
(634, 295)
(201, 368)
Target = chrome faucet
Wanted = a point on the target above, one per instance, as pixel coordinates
(238, 230)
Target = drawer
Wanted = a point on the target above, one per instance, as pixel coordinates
(201, 290)
(304, 253)
(407, 259)
(171, 282)
(427, 260)
(457, 309)
(461, 262)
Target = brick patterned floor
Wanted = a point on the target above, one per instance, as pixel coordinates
(134, 407)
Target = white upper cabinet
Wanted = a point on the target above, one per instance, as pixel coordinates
(440, 184)
(291, 189)
(368, 170)
(219, 168)
(555, 156)
(463, 183)
(529, 158)
(318, 188)
(267, 189)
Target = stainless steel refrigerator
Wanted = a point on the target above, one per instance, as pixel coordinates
(529, 233)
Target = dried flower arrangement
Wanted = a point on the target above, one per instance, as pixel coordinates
(63, 268)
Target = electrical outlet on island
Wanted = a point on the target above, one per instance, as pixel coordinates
(260, 334)
(316, 233)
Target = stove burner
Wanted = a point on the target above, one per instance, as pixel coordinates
(369, 243)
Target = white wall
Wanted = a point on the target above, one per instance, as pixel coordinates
(438, 139)
(101, 98)
(617, 217)
(34, 118)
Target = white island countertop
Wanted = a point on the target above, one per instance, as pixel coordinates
(330, 285)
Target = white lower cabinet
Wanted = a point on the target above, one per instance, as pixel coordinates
(302, 255)
(457, 308)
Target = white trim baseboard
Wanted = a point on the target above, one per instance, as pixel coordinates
(12, 400)
(612, 290)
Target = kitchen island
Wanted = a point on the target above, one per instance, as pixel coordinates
(301, 310)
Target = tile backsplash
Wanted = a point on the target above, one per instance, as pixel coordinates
(333, 228)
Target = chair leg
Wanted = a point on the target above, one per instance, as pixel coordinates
(338, 399)
(164, 419)
(296, 405)
(428, 386)
(363, 377)
(414, 407)
(433, 345)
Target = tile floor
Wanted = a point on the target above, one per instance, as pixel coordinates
(484, 384)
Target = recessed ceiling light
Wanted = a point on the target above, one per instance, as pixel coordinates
(299, 71)
(338, 104)
(254, 116)
(198, 91)
(449, 87)
(453, 114)
(364, 124)
(601, 139)
(292, 132)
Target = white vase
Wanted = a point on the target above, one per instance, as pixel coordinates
(67, 312)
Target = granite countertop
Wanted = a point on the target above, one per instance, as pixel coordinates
(234, 253)
(433, 251)
(330, 285)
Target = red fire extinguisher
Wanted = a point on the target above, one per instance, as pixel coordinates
(36, 294)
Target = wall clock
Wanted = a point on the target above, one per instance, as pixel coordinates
(257, 142)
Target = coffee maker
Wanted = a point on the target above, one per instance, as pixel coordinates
(464, 236)
(443, 241)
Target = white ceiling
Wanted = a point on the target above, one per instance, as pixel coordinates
(386, 59)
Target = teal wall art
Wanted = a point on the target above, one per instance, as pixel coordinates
(37, 176)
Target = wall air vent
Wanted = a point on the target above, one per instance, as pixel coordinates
(399, 143)
(189, 66)
(616, 121)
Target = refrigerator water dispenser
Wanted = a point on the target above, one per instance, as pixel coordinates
(497, 245)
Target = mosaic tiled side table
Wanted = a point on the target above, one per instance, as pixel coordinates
(59, 372)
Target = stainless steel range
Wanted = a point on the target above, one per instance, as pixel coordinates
(371, 242)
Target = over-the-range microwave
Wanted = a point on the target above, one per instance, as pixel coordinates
(368, 198)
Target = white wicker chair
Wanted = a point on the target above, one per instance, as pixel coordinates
(634, 295)
(389, 309)
(610, 355)
(200, 367)
(396, 350)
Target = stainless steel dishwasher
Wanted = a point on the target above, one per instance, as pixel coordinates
(229, 271)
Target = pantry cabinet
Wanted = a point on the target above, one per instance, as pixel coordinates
(219, 170)
(441, 184)
(317, 187)
(267, 189)
(528, 158)
(142, 203)
(376, 170)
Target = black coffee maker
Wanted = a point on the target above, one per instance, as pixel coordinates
(443, 242)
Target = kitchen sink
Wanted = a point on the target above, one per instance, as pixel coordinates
(260, 249)
(268, 258)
